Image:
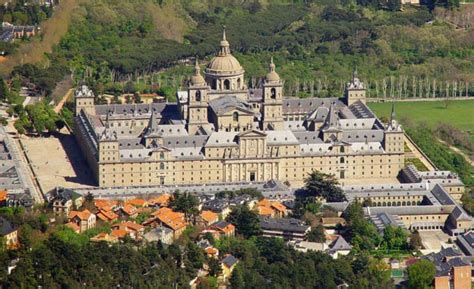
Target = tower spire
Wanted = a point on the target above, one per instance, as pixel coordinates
(197, 69)
(272, 65)
(224, 44)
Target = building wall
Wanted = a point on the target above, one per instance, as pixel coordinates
(442, 282)
(257, 162)
(410, 220)
(462, 277)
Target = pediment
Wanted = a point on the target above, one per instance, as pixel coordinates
(252, 134)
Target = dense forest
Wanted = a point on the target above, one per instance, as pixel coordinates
(316, 44)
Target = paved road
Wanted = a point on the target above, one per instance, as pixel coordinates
(24, 170)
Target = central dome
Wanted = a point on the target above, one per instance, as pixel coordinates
(224, 63)
(227, 64)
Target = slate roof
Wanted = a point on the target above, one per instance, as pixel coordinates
(226, 103)
(283, 224)
(340, 244)
(466, 243)
(6, 227)
(229, 261)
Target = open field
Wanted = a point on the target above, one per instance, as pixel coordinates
(459, 113)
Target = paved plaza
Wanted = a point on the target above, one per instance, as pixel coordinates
(57, 161)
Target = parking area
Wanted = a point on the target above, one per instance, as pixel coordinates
(57, 161)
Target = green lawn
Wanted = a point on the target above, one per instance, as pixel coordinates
(460, 113)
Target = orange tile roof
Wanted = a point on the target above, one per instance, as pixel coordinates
(174, 220)
(105, 204)
(107, 216)
(129, 209)
(264, 202)
(73, 226)
(3, 195)
(129, 226)
(83, 215)
(136, 202)
(104, 237)
(209, 216)
(161, 200)
(211, 251)
(265, 211)
(279, 207)
(119, 233)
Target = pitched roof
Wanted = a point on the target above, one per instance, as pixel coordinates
(340, 244)
(119, 233)
(136, 202)
(161, 200)
(129, 209)
(128, 226)
(224, 227)
(6, 227)
(73, 226)
(3, 195)
(83, 215)
(107, 216)
(229, 261)
(209, 216)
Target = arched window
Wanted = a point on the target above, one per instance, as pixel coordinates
(214, 84)
(162, 156)
(162, 166)
(235, 116)
(273, 93)
(342, 149)
(238, 83)
(198, 95)
(341, 160)
(226, 84)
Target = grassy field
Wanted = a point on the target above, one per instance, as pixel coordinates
(459, 113)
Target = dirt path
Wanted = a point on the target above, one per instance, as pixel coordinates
(455, 149)
(52, 31)
(60, 105)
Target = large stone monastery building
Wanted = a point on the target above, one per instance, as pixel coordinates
(220, 131)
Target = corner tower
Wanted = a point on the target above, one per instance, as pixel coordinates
(84, 98)
(355, 90)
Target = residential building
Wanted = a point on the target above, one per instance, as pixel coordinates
(207, 218)
(104, 237)
(273, 209)
(286, 228)
(64, 200)
(224, 228)
(84, 220)
(453, 270)
(228, 264)
(9, 233)
(166, 217)
(339, 247)
(134, 230)
(162, 233)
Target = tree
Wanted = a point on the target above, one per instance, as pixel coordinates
(394, 5)
(185, 203)
(3, 90)
(317, 234)
(245, 221)
(322, 185)
(415, 241)
(214, 267)
(421, 274)
(236, 279)
(394, 238)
